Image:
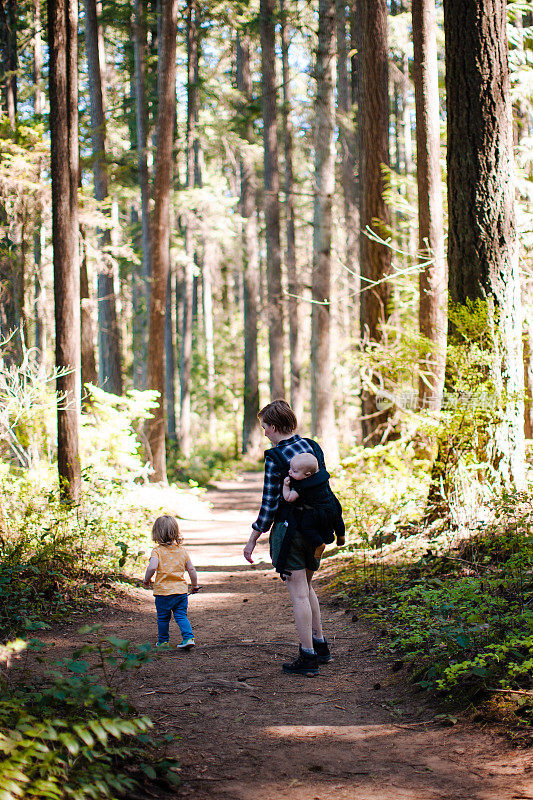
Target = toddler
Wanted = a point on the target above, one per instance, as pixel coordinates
(318, 512)
(168, 562)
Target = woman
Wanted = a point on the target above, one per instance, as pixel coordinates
(279, 424)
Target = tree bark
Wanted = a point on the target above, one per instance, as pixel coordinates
(432, 313)
(37, 59)
(208, 267)
(170, 374)
(482, 246)
(271, 200)
(142, 281)
(161, 232)
(294, 283)
(40, 292)
(349, 163)
(88, 360)
(375, 257)
(251, 434)
(63, 74)
(322, 413)
(191, 181)
(9, 58)
(11, 269)
(109, 360)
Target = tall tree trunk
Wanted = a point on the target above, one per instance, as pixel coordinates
(406, 118)
(528, 380)
(9, 58)
(142, 281)
(40, 293)
(294, 283)
(209, 263)
(63, 76)
(251, 434)
(109, 360)
(432, 314)
(482, 246)
(271, 200)
(191, 181)
(521, 127)
(349, 160)
(322, 413)
(161, 232)
(170, 374)
(520, 110)
(88, 360)
(11, 277)
(375, 257)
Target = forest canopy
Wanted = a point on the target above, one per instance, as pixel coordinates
(226, 203)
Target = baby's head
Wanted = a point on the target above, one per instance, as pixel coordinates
(302, 466)
(165, 530)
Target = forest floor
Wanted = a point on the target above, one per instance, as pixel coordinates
(248, 732)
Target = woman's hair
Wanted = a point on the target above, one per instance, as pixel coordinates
(280, 415)
(165, 530)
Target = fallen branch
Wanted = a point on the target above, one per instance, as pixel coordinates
(214, 683)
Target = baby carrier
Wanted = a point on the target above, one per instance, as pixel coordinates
(328, 519)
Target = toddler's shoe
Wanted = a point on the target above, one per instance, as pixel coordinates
(186, 644)
(322, 651)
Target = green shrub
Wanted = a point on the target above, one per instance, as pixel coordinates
(110, 449)
(382, 487)
(75, 737)
(52, 555)
(463, 617)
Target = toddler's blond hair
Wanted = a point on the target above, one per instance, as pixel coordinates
(165, 530)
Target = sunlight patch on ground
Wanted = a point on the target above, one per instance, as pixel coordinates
(351, 733)
(182, 503)
(217, 599)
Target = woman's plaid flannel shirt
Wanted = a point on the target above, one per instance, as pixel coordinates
(273, 484)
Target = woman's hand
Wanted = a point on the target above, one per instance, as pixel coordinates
(250, 546)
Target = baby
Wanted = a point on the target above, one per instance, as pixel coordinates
(318, 513)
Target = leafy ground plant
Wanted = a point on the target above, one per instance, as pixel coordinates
(52, 556)
(77, 737)
(462, 618)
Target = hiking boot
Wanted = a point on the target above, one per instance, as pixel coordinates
(305, 664)
(186, 644)
(322, 651)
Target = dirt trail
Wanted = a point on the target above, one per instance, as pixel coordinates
(249, 732)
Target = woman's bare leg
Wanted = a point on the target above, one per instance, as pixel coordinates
(298, 587)
(315, 608)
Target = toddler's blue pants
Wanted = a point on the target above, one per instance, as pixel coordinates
(166, 605)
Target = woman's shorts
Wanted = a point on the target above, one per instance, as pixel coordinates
(301, 553)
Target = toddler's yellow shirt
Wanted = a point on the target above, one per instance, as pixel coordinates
(170, 574)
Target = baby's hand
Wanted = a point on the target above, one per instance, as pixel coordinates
(287, 481)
